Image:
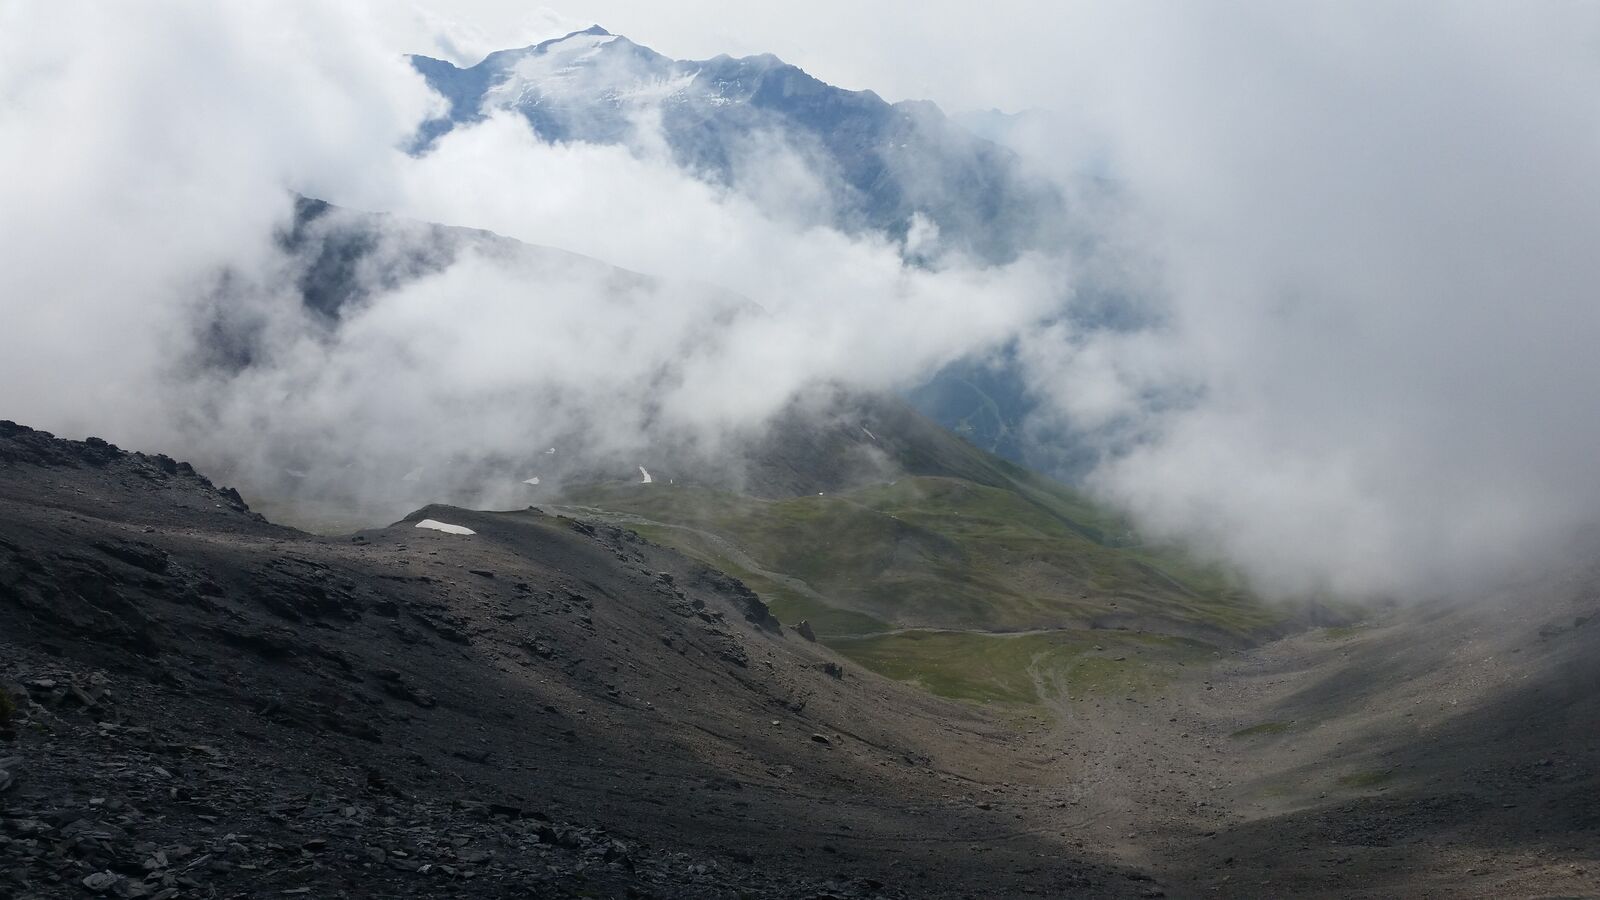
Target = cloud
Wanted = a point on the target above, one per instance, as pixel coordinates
(169, 314)
(1371, 231)
(145, 148)
(1335, 320)
(509, 350)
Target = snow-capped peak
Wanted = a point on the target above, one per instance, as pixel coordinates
(551, 66)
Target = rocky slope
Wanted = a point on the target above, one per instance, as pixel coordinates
(209, 704)
(200, 703)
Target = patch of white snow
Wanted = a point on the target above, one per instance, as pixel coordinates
(560, 69)
(445, 527)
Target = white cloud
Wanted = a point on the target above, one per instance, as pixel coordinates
(160, 174)
(143, 148)
(1373, 227)
(1362, 235)
(493, 357)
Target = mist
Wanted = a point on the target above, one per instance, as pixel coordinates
(1371, 226)
(1358, 237)
(674, 315)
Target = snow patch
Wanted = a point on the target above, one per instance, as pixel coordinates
(644, 477)
(656, 89)
(445, 527)
(554, 70)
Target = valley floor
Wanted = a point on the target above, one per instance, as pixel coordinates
(1447, 749)
(1445, 752)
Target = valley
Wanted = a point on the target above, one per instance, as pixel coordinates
(974, 578)
(655, 728)
(798, 452)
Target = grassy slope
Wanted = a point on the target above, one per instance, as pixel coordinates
(975, 544)
(931, 552)
(1020, 668)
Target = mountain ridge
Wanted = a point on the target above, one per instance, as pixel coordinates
(883, 163)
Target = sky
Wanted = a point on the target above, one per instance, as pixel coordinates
(1364, 232)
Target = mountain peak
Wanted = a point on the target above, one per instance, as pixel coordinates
(593, 31)
(589, 85)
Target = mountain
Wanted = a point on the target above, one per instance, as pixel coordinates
(886, 165)
(340, 258)
(983, 403)
(196, 701)
(940, 533)
(886, 534)
(903, 169)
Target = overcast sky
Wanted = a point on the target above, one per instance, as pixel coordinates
(1368, 230)
(1373, 225)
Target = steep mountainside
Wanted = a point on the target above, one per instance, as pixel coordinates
(209, 703)
(916, 553)
(884, 164)
(195, 702)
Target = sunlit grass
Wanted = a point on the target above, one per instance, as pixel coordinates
(1025, 668)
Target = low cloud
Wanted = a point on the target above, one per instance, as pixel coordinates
(1327, 311)
(1369, 234)
(173, 318)
(509, 349)
(146, 149)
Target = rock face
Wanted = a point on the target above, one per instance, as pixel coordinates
(23, 446)
(209, 704)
